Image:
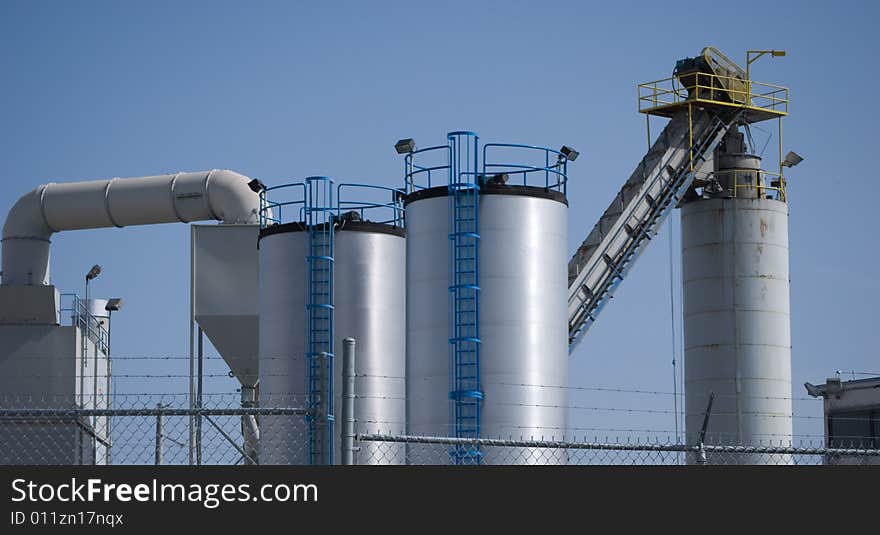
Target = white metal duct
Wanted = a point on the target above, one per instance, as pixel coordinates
(181, 197)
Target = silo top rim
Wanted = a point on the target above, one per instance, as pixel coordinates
(491, 189)
(344, 225)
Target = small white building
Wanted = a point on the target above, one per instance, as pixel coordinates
(852, 416)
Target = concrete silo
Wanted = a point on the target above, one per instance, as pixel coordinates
(736, 304)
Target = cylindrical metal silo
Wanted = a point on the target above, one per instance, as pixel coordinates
(368, 304)
(522, 318)
(736, 310)
(282, 251)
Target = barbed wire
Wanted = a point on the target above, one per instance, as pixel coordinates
(363, 376)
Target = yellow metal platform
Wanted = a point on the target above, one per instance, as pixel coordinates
(760, 101)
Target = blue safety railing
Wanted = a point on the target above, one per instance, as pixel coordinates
(552, 174)
(430, 174)
(286, 198)
(377, 204)
(513, 163)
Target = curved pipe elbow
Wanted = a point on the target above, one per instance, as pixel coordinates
(231, 199)
(26, 241)
(25, 219)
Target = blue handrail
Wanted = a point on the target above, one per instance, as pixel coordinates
(361, 198)
(555, 172)
(271, 211)
(386, 212)
(412, 170)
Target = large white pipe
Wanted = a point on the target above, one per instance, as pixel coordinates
(118, 202)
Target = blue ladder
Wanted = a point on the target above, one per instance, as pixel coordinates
(319, 316)
(464, 238)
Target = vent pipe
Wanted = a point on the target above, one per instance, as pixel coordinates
(182, 197)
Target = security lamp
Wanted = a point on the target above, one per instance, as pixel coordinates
(256, 185)
(405, 146)
(777, 53)
(792, 159)
(113, 305)
(569, 153)
(94, 272)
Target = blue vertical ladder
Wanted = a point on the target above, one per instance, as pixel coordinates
(319, 317)
(464, 289)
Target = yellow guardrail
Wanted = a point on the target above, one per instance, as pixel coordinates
(754, 183)
(713, 89)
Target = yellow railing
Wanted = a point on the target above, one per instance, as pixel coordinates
(713, 89)
(754, 183)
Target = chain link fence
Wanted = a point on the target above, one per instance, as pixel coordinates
(146, 429)
(423, 450)
(167, 429)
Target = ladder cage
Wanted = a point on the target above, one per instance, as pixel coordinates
(319, 221)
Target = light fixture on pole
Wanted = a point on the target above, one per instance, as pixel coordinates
(751, 57)
(569, 153)
(112, 306)
(91, 275)
(792, 159)
(405, 146)
(85, 324)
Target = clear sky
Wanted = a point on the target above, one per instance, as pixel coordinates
(282, 90)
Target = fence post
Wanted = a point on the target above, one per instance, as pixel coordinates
(249, 429)
(348, 374)
(324, 416)
(701, 452)
(159, 424)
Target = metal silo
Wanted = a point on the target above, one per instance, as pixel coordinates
(487, 351)
(736, 305)
(317, 287)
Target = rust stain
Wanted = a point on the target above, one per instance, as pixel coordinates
(763, 227)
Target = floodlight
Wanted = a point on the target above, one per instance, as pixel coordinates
(256, 185)
(569, 153)
(405, 146)
(792, 159)
(94, 272)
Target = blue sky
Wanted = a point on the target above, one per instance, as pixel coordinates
(282, 90)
